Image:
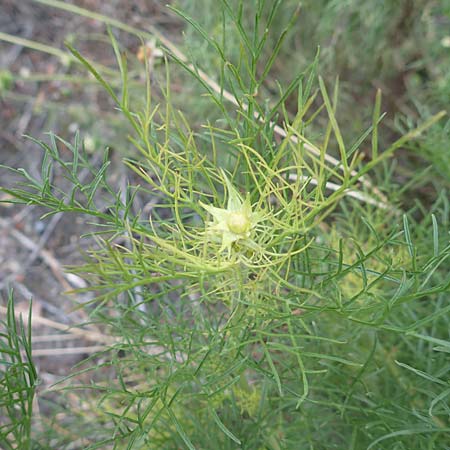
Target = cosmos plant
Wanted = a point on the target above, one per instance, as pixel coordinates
(219, 272)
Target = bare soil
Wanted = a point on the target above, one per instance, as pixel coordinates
(35, 251)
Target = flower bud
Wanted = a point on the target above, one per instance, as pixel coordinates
(238, 222)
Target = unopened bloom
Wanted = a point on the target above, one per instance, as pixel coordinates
(233, 224)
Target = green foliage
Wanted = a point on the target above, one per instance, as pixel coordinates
(18, 381)
(311, 320)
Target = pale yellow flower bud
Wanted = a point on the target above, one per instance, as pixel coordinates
(238, 222)
(234, 223)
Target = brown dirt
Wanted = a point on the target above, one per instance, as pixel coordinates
(33, 250)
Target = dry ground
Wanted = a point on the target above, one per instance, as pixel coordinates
(33, 250)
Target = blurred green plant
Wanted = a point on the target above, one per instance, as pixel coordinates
(18, 381)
